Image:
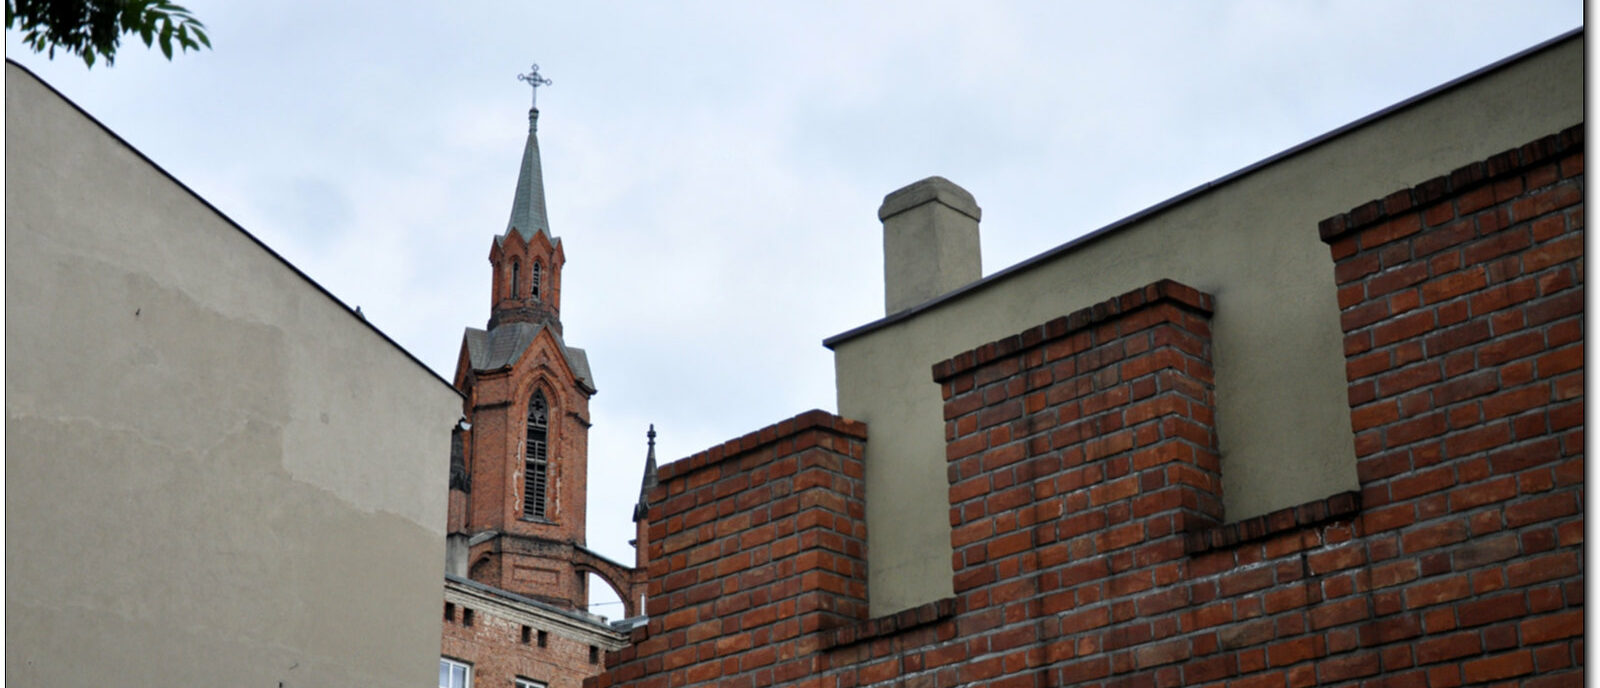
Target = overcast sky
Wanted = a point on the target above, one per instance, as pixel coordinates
(715, 169)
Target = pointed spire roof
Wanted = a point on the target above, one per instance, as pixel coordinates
(527, 206)
(649, 481)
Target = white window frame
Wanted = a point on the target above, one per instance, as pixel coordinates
(529, 683)
(446, 662)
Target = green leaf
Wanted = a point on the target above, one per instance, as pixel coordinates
(93, 29)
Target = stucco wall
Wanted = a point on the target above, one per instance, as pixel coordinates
(217, 474)
(1282, 414)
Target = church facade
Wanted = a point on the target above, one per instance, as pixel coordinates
(516, 587)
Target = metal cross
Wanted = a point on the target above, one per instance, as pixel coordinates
(533, 79)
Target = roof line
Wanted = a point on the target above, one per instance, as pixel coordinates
(847, 335)
(170, 177)
(589, 619)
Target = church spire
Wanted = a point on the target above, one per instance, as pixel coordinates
(527, 206)
(527, 258)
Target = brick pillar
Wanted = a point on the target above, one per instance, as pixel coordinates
(1080, 450)
(754, 546)
(1462, 306)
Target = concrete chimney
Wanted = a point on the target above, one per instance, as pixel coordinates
(930, 242)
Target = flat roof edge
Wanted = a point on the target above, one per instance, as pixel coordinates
(1049, 254)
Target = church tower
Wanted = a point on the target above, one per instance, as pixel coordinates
(520, 470)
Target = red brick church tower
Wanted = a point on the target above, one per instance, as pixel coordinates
(520, 470)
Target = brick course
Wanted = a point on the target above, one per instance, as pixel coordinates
(1089, 543)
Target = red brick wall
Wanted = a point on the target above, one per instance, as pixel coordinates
(755, 546)
(493, 646)
(1081, 451)
(498, 410)
(1084, 489)
(511, 249)
(1462, 306)
(540, 564)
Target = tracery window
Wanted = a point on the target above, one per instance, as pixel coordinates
(536, 458)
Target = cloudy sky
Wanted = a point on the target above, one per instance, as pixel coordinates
(715, 169)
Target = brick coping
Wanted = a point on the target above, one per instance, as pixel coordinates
(1332, 508)
(1467, 177)
(1161, 291)
(884, 626)
(809, 420)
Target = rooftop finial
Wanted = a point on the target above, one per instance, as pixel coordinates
(641, 508)
(535, 80)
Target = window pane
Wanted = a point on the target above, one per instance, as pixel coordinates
(452, 674)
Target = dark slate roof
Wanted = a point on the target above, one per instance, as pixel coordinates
(503, 346)
(527, 204)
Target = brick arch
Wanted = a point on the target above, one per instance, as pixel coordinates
(543, 376)
(535, 279)
(625, 581)
(480, 569)
(537, 381)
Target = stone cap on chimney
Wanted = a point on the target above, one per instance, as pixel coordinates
(931, 189)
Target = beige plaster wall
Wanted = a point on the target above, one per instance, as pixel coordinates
(1252, 242)
(217, 475)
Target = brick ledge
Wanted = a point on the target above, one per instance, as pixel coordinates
(815, 418)
(1499, 166)
(882, 626)
(1165, 290)
(1266, 525)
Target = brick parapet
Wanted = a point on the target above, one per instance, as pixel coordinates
(757, 547)
(781, 430)
(1446, 194)
(1458, 562)
(1089, 435)
(1462, 306)
(1080, 454)
(1163, 291)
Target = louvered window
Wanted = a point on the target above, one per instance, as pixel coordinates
(516, 279)
(534, 278)
(537, 459)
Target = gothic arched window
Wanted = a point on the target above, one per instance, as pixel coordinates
(516, 279)
(536, 458)
(534, 278)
